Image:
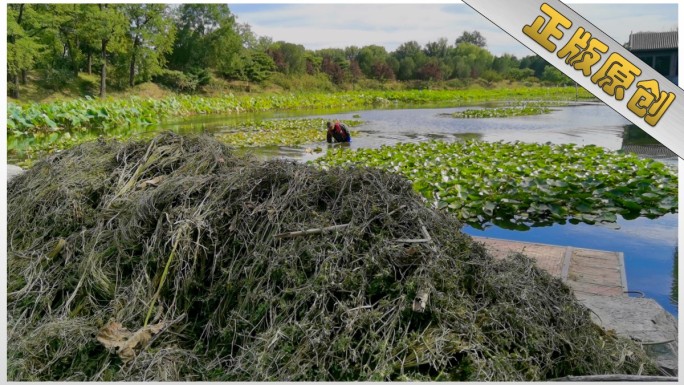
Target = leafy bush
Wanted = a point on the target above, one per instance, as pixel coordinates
(56, 78)
(177, 80)
(303, 82)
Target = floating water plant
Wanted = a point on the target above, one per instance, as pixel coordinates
(518, 185)
(281, 132)
(173, 259)
(501, 112)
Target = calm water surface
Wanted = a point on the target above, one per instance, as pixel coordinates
(649, 246)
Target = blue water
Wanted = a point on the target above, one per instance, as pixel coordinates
(648, 247)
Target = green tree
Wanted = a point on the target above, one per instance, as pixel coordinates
(372, 61)
(554, 76)
(474, 38)
(151, 34)
(352, 53)
(407, 68)
(437, 49)
(108, 25)
(22, 47)
(469, 60)
(409, 49)
(206, 38)
(504, 63)
(411, 58)
(253, 65)
(520, 73)
(535, 63)
(289, 58)
(73, 38)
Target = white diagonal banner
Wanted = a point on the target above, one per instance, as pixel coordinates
(596, 62)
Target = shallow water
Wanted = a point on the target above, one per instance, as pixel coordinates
(649, 246)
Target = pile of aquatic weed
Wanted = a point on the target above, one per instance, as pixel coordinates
(166, 260)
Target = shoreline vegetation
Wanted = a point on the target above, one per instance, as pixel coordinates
(37, 129)
(94, 114)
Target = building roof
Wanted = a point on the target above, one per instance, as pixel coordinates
(642, 41)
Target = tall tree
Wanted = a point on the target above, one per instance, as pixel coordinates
(372, 60)
(289, 58)
(206, 38)
(535, 63)
(151, 34)
(22, 48)
(474, 38)
(468, 60)
(504, 63)
(351, 52)
(437, 48)
(108, 25)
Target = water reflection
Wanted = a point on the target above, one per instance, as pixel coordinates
(637, 141)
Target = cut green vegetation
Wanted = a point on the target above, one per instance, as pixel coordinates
(174, 259)
(518, 185)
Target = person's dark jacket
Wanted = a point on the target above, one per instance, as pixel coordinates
(339, 132)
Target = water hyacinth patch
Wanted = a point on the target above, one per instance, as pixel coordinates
(282, 132)
(503, 112)
(519, 185)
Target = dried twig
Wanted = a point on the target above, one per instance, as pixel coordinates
(617, 377)
(294, 234)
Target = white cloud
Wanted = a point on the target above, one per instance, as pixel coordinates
(319, 26)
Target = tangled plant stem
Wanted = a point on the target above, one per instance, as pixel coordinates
(239, 304)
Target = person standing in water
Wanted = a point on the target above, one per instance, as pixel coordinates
(338, 132)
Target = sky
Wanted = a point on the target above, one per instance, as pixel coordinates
(317, 26)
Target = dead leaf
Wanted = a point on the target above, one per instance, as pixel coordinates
(151, 182)
(117, 338)
(420, 301)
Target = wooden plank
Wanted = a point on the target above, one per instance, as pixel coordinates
(596, 256)
(610, 291)
(621, 261)
(599, 261)
(595, 272)
(584, 270)
(567, 258)
(597, 279)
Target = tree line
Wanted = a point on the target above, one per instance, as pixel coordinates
(182, 46)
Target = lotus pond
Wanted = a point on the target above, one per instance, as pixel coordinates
(592, 198)
(519, 185)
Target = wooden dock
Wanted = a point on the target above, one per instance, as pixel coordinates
(586, 271)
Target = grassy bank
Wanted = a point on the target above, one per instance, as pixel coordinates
(96, 114)
(35, 129)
